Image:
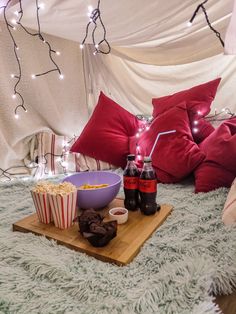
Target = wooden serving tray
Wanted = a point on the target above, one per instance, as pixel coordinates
(120, 250)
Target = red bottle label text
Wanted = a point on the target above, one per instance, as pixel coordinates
(147, 186)
(131, 183)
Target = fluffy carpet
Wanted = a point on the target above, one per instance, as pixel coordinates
(191, 257)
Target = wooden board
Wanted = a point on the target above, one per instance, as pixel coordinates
(120, 250)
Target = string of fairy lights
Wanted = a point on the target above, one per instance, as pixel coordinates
(201, 6)
(12, 25)
(95, 20)
(40, 164)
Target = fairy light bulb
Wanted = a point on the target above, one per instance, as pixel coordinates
(49, 173)
(140, 130)
(81, 46)
(96, 46)
(147, 127)
(14, 96)
(14, 21)
(33, 76)
(195, 122)
(94, 53)
(137, 135)
(58, 53)
(16, 116)
(61, 76)
(64, 164)
(199, 112)
(189, 24)
(42, 5)
(195, 130)
(16, 13)
(90, 9)
(138, 147)
(12, 75)
(66, 144)
(17, 48)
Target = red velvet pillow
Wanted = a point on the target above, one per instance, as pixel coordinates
(175, 155)
(219, 167)
(106, 135)
(198, 101)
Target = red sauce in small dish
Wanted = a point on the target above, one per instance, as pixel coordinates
(119, 212)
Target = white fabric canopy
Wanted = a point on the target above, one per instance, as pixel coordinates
(160, 28)
(153, 53)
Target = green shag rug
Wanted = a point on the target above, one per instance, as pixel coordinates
(190, 257)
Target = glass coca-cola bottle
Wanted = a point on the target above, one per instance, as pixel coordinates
(148, 188)
(131, 179)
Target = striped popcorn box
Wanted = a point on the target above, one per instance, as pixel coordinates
(43, 209)
(63, 208)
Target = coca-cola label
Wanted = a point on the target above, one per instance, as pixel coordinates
(131, 183)
(147, 186)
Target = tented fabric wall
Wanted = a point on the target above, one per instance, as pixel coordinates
(133, 84)
(153, 53)
(52, 104)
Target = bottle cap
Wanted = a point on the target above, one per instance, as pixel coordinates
(147, 159)
(131, 157)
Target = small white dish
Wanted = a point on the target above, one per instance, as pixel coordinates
(120, 214)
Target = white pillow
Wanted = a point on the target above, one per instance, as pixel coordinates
(229, 211)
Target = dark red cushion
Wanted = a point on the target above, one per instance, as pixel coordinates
(219, 167)
(175, 155)
(106, 135)
(198, 101)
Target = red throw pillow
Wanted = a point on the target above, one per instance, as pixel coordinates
(198, 101)
(175, 155)
(106, 135)
(219, 167)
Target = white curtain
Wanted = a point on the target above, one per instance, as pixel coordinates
(58, 105)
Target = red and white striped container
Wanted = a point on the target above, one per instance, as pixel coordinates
(42, 206)
(63, 209)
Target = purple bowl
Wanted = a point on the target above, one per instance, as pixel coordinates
(96, 198)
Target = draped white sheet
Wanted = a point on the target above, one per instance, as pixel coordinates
(59, 105)
(132, 25)
(133, 85)
(153, 53)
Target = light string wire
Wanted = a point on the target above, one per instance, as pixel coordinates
(39, 34)
(216, 116)
(15, 48)
(9, 26)
(201, 6)
(94, 16)
(42, 161)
